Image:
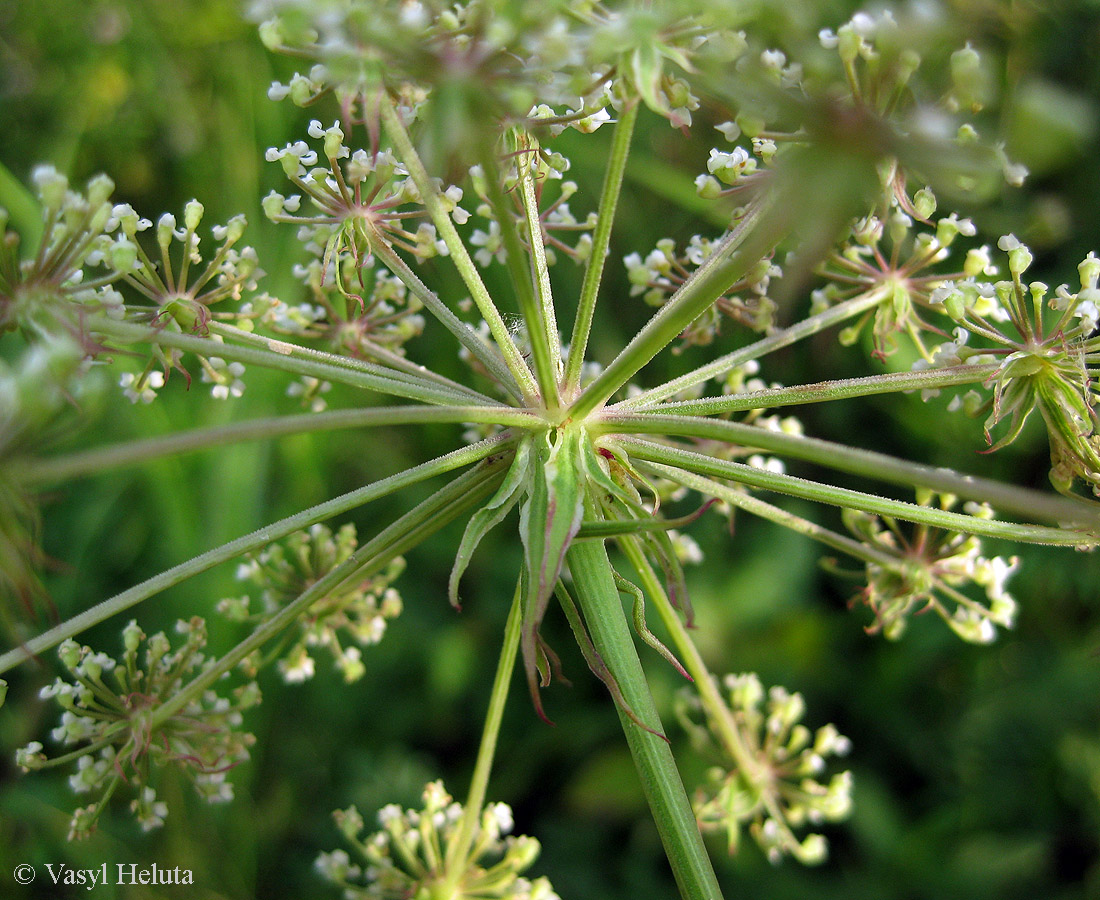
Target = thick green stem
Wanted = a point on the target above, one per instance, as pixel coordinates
(705, 683)
(460, 845)
(429, 195)
(594, 581)
(128, 598)
(130, 453)
(601, 239)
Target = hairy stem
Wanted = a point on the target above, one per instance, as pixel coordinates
(429, 194)
(475, 798)
(821, 391)
(280, 355)
(392, 366)
(787, 336)
(132, 596)
(753, 238)
(518, 261)
(1007, 498)
(130, 453)
(466, 336)
(543, 323)
(675, 458)
(601, 239)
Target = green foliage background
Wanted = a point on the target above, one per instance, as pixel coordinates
(977, 769)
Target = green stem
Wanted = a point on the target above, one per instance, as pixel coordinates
(594, 581)
(132, 596)
(757, 507)
(841, 389)
(1007, 498)
(675, 458)
(425, 519)
(429, 195)
(704, 682)
(279, 355)
(519, 270)
(753, 238)
(392, 366)
(134, 452)
(460, 845)
(543, 324)
(797, 332)
(601, 239)
(466, 336)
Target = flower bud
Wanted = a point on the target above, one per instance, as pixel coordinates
(192, 214)
(70, 653)
(52, 186)
(132, 636)
(123, 255)
(971, 87)
(924, 202)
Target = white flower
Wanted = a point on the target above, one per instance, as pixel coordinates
(141, 389)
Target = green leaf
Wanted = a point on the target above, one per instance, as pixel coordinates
(549, 519)
(490, 515)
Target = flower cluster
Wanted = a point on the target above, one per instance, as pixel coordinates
(773, 785)
(556, 220)
(664, 269)
(357, 610)
(505, 62)
(898, 260)
(356, 198)
(372, 323)
(926, 569)
(416, 854)
(182, 293)
(32, 288)
(1046, 345)
(112, 715)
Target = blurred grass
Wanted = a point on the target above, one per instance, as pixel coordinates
(978, 769)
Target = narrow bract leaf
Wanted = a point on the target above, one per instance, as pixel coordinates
(595, 661)
(549, 519)
(490, 515)
(628, 587)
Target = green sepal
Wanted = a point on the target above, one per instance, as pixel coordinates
(490, 515)
(549, 519)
